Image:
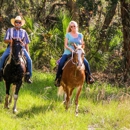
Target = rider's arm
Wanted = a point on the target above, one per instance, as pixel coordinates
(8, 42)
(82, 42)
(27, 47)
(66, 45)
(7, 38)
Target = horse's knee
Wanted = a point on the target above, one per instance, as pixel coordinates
(15, 97)
(6, 105)
(76, 102)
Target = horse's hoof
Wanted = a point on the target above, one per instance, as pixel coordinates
(15, 111)
(6, 107)
(76, 114)
(64, 102)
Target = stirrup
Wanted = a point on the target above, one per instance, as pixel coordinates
(57, 82)
(90, 80)
(27, 78)
(28, 81)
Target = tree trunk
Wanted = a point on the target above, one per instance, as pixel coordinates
(125, 15)
(71, 4)
(1, 19)
(107, 21)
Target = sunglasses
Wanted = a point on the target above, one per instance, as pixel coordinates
(17, 22)
(73, 26)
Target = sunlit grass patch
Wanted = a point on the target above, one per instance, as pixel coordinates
(101, 107)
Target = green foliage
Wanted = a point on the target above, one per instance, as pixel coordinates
(46, 45)
(47, 38)
(52, 63)
(100, 61)
(114, 38)
(2, 47)
(100, 54)
(65, 21)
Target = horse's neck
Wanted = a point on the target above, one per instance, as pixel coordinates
(12, 61)
(9, 58)
(69, 63)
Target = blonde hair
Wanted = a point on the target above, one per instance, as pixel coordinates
(69, 26)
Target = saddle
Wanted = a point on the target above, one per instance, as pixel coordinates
(8, 60)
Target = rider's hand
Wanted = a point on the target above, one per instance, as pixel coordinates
(72, 50)
(21, 42)
(10, 42)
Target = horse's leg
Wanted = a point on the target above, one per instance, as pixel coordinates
(12, 93)
(18, 85)
(67, 98)
(71, 90)
(64, 98)
(6, 105)
(15, 101)
(76, 99)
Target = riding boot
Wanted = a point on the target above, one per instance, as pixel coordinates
(57, 82)
(89, 79)
(1, 75)
(27, 78)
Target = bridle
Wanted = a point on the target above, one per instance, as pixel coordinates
(75, 63)
(72, 57)
(17, 60)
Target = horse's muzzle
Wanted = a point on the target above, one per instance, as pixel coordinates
(80, 66)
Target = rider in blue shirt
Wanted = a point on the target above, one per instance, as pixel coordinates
(72, 36)
(20, 34)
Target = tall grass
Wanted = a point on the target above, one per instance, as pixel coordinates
(101, 107)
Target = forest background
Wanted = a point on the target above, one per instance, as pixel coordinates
(104, 105)
(104, 24)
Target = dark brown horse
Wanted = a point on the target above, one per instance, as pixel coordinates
(13, 72)
(73, 76)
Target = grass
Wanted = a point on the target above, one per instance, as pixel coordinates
(101, 107)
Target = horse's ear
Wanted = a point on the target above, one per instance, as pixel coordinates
(75, 46)
(83, 46)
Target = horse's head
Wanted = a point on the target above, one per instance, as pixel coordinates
(16, 51)
(78, 57)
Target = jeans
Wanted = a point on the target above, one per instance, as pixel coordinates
(7, 52)
(62, 62)
(29, 62)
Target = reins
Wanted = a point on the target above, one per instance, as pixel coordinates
(71, 59)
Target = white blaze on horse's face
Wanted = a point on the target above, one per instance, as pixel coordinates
(80, 53)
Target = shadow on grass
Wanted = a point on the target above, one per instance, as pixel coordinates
(43, 84)
(35, 110)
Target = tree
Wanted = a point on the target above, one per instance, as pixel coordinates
(125, 15)
(108, 19)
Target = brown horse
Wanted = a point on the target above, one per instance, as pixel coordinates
(13, 73)
(73, 76)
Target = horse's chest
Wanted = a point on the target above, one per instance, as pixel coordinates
(13, 73)
(73, 77)
(75, 73)
(16, 71)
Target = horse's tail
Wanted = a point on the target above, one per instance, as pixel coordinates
(60, 91)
